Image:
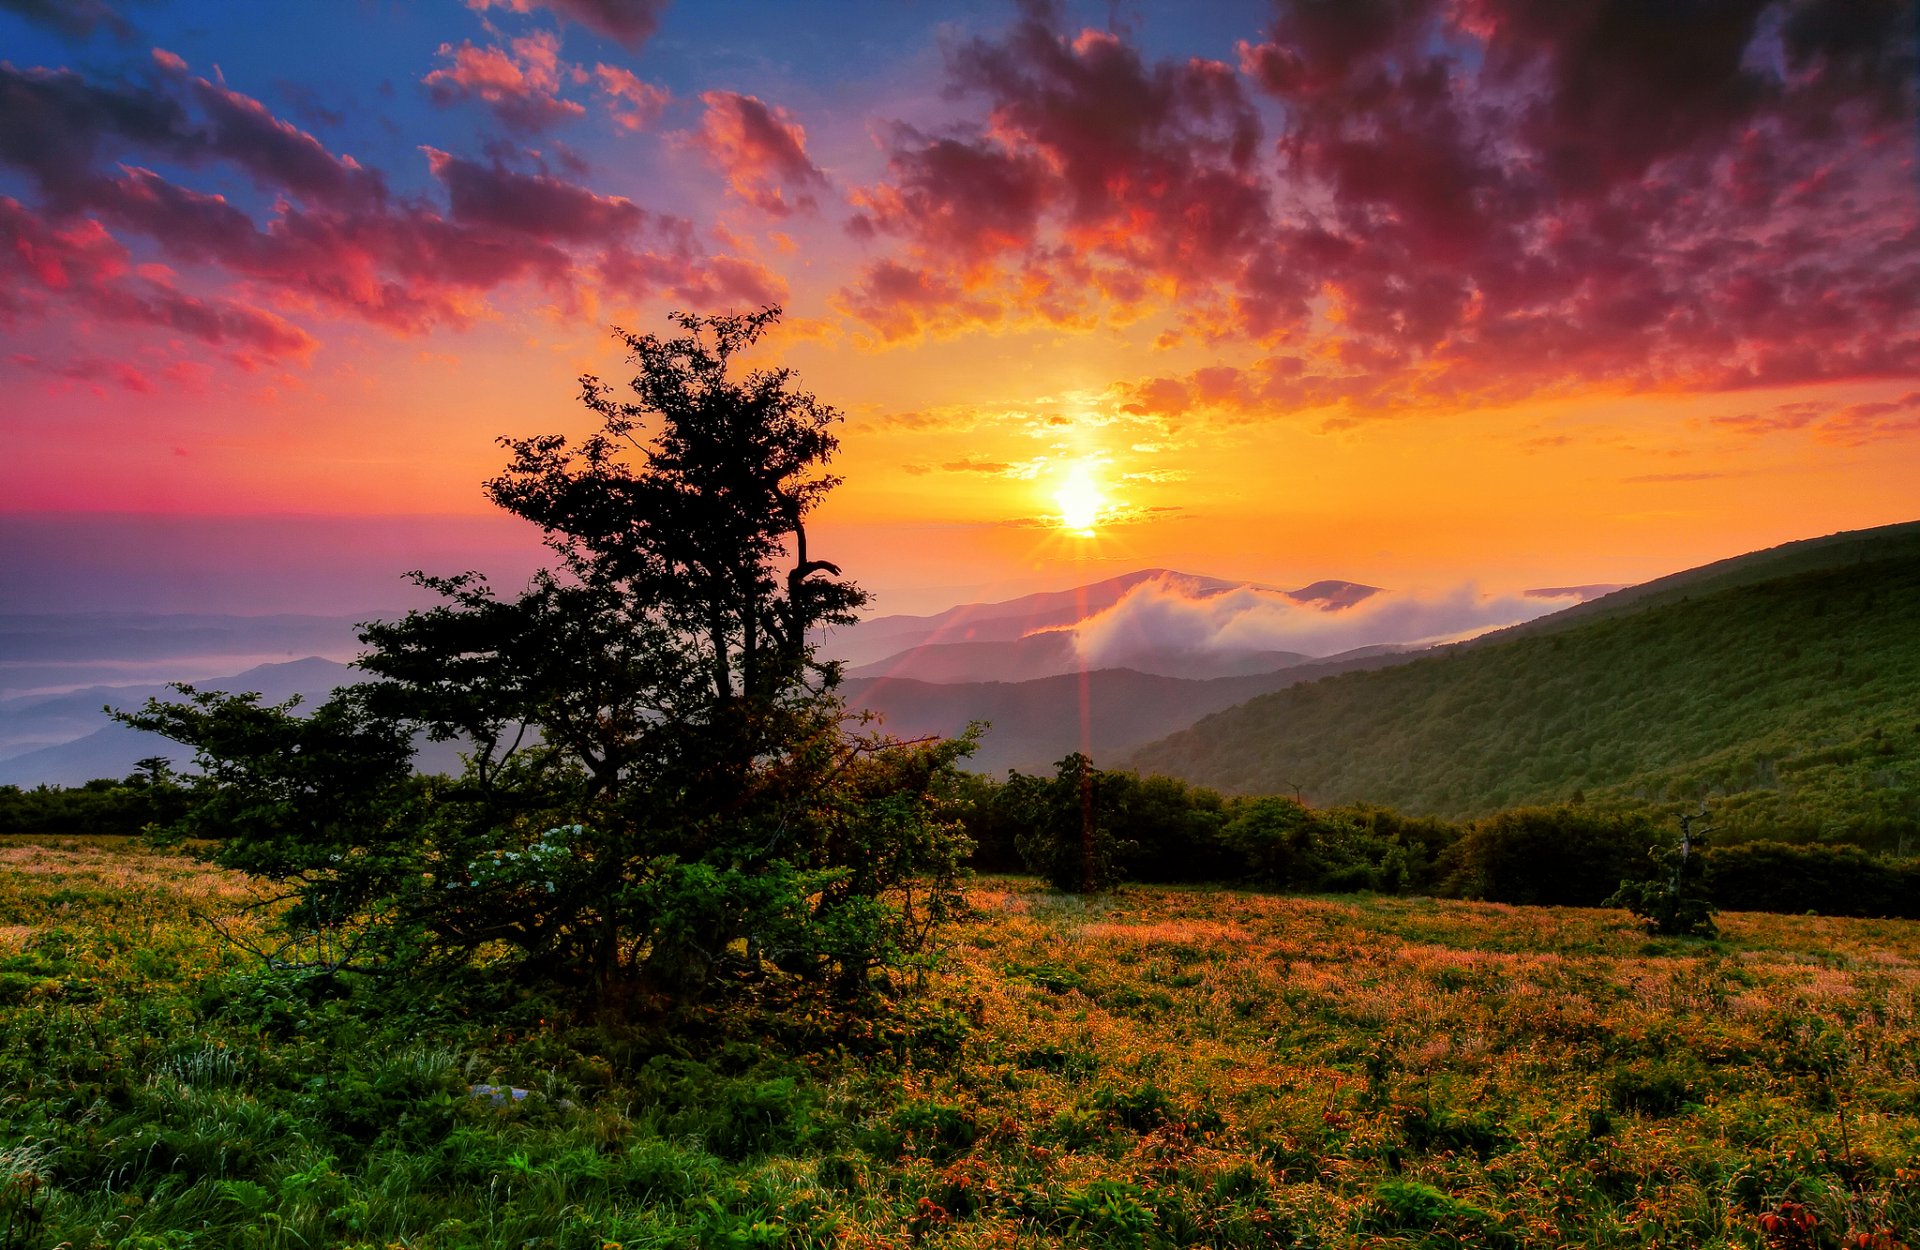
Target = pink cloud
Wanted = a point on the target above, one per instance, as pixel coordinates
(638, 104)
(82, 265)
(521, 86)
(1466, 202)
(762, 150)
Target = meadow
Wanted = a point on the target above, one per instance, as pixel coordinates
(1152, 1067)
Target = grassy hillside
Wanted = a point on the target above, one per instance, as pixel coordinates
(1144, 1071)
(1794, 703)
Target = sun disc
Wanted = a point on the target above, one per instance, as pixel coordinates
(1080, 503)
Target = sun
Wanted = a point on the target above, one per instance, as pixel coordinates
(1080, 502)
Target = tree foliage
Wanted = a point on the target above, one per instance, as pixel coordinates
(662, 789)
(1066, 825)
(1673, 901)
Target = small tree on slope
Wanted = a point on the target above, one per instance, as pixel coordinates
(1674, 902)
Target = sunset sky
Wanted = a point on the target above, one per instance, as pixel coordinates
(1427, 293)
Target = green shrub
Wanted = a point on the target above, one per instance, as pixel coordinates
(1834, 880)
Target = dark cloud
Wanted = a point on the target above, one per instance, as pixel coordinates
(630, 22)
(61, 127)
(1143, 173)
(534, 205)
(969, 198)
(58, 126)
(73, 19)
(333, 237)
(1472, 201)
(278, 155)
(93, 372)
(307, 103)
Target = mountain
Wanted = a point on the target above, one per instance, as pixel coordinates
(1106, 713)
(1832, 551)
(1783, 683)
(1007, 621)
(1028, 638)
(112, 749)
(49, 652)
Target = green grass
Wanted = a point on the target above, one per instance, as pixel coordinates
(1789, 702)
(1154, 1068)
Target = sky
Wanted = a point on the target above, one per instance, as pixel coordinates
(1435, 294)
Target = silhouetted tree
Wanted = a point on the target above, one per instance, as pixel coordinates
(661, 789)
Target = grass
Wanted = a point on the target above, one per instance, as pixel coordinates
(1158, 1067)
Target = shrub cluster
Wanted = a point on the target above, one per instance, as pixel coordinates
(1165, 831)
(104, 806)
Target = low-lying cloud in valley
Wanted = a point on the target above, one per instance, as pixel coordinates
(1172, 615)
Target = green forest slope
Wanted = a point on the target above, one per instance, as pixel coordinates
(1848, 549)
(1793, 703)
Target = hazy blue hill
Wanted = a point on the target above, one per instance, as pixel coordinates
(1107, 713)
(111, 749)
(1787, 684)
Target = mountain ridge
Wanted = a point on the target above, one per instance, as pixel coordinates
(1784, 697)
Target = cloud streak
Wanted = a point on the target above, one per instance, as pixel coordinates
(1171, 616)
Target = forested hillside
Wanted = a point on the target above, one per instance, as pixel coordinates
(1793, 703)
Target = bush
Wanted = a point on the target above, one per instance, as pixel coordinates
(1541, 856)
(1834, 880)
(1067, 826)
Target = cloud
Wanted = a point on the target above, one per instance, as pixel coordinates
(1172, 615)
(333, 239)
(1871, 422)
(1094, 174)
(1478, 201)
(639, 104)
(83, 266)
(59, 128)
(532, 205)
(521, 87)
(900, 302)
(969, 198)
(93, 372)
(73, 19)
(763, 152)
(1847, 425)
(629, 22)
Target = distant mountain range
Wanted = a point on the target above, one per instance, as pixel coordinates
(1783, 685)
(1107, 667)
(1106, 712)
(106, 748)
(47, 653)
(1033, 636)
